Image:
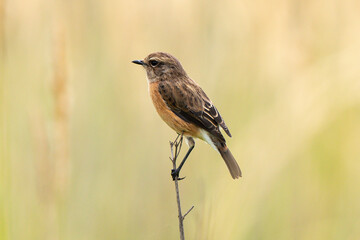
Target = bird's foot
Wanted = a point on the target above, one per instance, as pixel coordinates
(175, 174)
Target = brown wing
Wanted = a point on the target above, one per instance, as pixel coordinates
(189, 102)
(211, 112)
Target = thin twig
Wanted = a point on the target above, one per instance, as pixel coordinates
(188, 212)
(177, 144)
(180, 145)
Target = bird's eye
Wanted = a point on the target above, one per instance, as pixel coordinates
(153, 63)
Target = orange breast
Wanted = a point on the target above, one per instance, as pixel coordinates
(176, 123)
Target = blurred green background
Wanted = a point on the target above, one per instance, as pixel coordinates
(84, 155)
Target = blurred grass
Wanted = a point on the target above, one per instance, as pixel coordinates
(284, 75)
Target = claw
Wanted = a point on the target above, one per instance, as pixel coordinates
(175, 173)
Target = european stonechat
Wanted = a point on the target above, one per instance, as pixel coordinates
(185, 107)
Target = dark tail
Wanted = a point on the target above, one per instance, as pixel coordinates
(230, 161)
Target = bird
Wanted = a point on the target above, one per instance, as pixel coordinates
(184, 106)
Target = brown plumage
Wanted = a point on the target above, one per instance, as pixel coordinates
(184, 106)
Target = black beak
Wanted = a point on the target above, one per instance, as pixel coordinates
(140, 62)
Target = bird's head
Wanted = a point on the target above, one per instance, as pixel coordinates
(161, 66)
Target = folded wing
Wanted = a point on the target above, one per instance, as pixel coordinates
(189, 102)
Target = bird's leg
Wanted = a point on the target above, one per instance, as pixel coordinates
(175, 172)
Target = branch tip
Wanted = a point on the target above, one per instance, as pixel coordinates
(187, 212)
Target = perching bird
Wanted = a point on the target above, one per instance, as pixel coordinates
(185, 107)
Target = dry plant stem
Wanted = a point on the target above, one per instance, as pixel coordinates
(174, 154)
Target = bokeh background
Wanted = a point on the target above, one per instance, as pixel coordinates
(85, 156)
